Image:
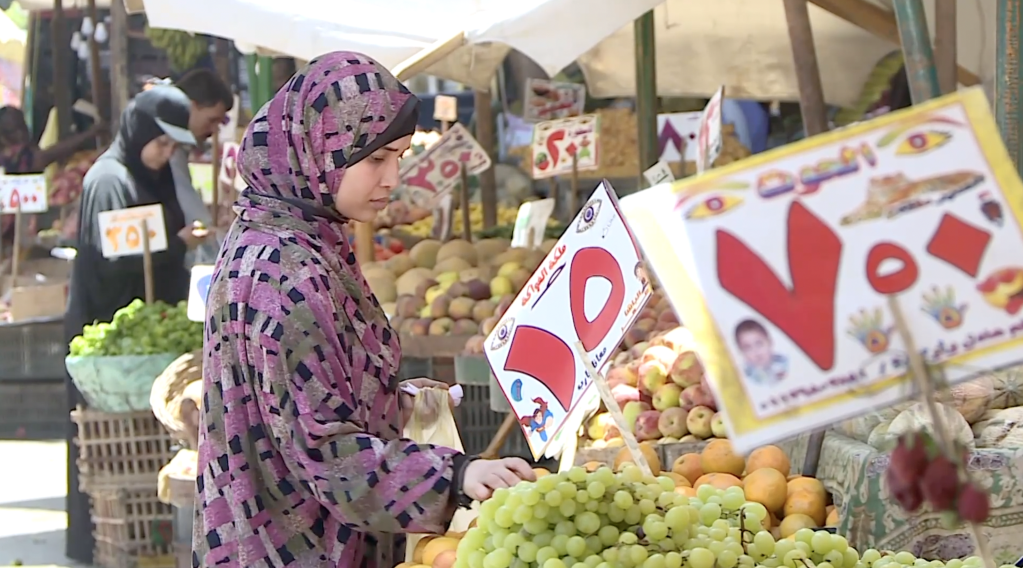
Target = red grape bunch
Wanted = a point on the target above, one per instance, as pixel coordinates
(918, 471)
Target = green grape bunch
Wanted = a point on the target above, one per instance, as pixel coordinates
(141, 329)
(184, 50)
(603, 519)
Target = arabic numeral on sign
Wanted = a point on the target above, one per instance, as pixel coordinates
(557, 368)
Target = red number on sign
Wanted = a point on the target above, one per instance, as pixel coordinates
(15, 199)
(540, 354)
(806, 311)
(552, 148)
(449, 168)
(419, 179)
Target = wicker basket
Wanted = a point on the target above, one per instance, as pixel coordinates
(32, 349)
(133, 529)
(120, 451)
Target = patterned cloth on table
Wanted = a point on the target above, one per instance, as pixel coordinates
(301, 463)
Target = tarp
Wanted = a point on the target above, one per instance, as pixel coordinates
(701, 45)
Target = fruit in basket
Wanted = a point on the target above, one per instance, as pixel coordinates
(140, 329)
(699, 420)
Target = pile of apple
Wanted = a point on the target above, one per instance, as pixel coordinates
(662, 389)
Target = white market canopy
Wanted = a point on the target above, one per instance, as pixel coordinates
(742, 44)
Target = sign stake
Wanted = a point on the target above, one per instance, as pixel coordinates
(466, 213)
(573, 196)
(16, 253)
(147, 263)
(614, 410)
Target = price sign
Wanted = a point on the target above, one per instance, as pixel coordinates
(556, 141)
(428, 176)
(198, 287)
(533, 215)
(548, 100)
(445, 108)
(783, 268)
(228, 163)
(676, 136)
(122, 230)
(28, 190)
(659, 173)
(708, 143)
(589, 289)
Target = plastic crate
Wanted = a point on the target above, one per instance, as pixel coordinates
(32, 349)
(133, 529)
(33, 409)
(478, 424)
(120, 450)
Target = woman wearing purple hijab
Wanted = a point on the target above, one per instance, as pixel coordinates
(301, 460)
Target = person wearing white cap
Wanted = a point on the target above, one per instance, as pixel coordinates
(134, 171)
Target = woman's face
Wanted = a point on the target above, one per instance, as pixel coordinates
(366, 187)
(13, 129)
(158, 152)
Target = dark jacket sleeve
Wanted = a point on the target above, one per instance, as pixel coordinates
(110, 193)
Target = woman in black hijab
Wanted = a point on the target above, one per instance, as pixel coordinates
(134, 171)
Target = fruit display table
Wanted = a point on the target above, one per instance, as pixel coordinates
(853, 473)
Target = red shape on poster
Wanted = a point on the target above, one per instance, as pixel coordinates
(806, 312)
(898, 281)
(959, 243)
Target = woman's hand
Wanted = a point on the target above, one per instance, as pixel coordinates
(482, 477)
(408, 401)
(193, 236)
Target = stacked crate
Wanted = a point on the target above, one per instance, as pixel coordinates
(120, 456)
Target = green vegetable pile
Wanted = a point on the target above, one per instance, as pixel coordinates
(141, 329)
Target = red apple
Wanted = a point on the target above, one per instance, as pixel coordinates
(646, 425)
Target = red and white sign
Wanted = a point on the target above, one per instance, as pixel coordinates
(27, 190)
(548, 100)
(428, 176)
(589, 289)
(708, 143)
(556, 141)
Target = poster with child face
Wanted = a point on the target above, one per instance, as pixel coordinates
(783, 267)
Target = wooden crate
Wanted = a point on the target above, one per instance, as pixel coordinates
(133, 529)
(124, 450)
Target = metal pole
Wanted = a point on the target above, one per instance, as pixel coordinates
(646, 90)
(815, 121)
(1007, 78)
(808, 74)
(916, 50)
(945, 48)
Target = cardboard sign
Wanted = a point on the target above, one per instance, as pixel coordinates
(589, 289)
(676, 136)
(532, 215)
(122, 230)
(228, 164)
(556, 141)
(198, 287)
(782, 268)
(659, 173)
(548, 100)
(428, 176)
(28, 190)
(445, 108)
(708, 142)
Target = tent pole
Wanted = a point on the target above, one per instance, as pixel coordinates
(60, 38)
(815, 121)
(916, 49)
(1007, 81)
(119, 79)
(808, 74)
(945, 49)
(488, 140)
(265, 74)
(646, 90)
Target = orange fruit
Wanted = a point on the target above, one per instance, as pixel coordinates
(807, 484)
(718, 480)
(720, 457)
(592, 466)
(792, 523)
(445, 559)
(649, 452)
(540, 472)
(770, 457)
(417, 552)
(678, 479)
(688, 466)
(832, 519)
(687, 491)
(766, 486)
(807, 503)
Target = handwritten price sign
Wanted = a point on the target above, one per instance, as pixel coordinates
(548, 100)
(676, 136)
(27, 190)
(122, 230)
(709, 142)
(589, 289)
(783, 269)
(436, 171)
(556, 141)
